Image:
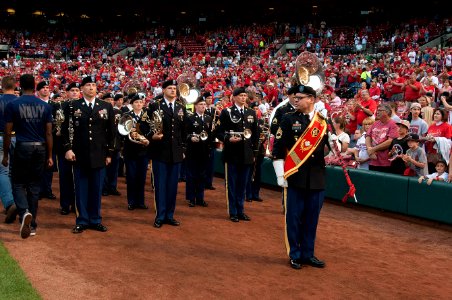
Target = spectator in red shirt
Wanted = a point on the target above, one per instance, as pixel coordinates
(365, 108)
(374, 90)
(439, 128)
(412, 89)
(396, 88)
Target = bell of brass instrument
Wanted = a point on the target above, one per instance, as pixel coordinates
(186, 84)
(309, 71)
(246, 134)
(126, 125)
(202, 136)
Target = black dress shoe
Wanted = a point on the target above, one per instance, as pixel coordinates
(210, 188)
(172, 222)
(203, 204)
(244, 217)
(65, 211)
(105, 193)
(234, 218)
(114, 192)
(295, 264)
(158, 223)
(79, 228)
(141, 206)
(313, 262)
(130, 207)
(258, 199)
(249, 200)
(98, 227)
(191, 204)
(48, 196)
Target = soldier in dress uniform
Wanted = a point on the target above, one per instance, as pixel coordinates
(117, 107)
(67, 191)
(210, 111)
(198, 148)
(88, 133)
(238, 131)
(136, 157)
(111, 171)
(167, 152)
(305, 184)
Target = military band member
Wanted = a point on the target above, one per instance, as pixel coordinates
(210, 111)
(119, 101)
(43, 93)
(198, 149)
(88, 132)
(31, 119)
(167, 152)
(136, 158)
(304, 167)
(111, 171)
(238, 131)
(66, 176)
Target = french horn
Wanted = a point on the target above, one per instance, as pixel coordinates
(126, 125)
(186, 84)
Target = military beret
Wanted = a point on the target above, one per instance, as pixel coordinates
(206, 94)
(200, 99)
(305, 89)
(293, 90)
(118, 96)
(73, 85)
(238, 91)
(86, 80)
(168, 83)
(42, 84)
(107, 95)
(254, 104)
(134, 98)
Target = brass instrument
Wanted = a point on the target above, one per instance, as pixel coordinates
(246, 134)
(126, 125)
(71, 122)
(218, 110)
(309, 71)
(202, 136)
(59, 120)
(186, 84)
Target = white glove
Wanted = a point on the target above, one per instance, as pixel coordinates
(278, 165)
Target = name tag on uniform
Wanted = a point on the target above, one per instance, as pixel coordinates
(296, 126)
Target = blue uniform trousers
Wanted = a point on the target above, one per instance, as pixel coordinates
(210, 168)
(253, 187)
(66, 176)
(136, 169)
(166, 177)
(196, 173)
(6, 190)
(302, 215)
(46, 181)
(111, 176)
(236, 178)
(88, 193)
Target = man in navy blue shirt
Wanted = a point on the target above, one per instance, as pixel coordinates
(32, 122)
(6, 191)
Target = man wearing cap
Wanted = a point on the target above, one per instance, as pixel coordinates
(236, 124)
(167, 152)
(412, 89)
(117, 108)
(398, 147)
(199, 143)
(32, 121)
(66, 175)
(305, 185)
(211, 110)
(43, 93)
(290, 106)
(6, 191)
(88, 134)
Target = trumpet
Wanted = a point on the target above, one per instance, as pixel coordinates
(201, 136)
(246, 134)
(218, 110)
(128, 126)
(59, 120)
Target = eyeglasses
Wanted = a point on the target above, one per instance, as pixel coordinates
(302, 97)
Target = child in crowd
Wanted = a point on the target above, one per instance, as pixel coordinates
(360, 149)
(415, 158)
(439, 175)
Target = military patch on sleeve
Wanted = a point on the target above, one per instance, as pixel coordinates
(279, 133)
(275, 121)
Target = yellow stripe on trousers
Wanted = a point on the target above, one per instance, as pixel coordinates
(226, 184)
(286, 239)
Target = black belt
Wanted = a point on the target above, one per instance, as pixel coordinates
(31, 143)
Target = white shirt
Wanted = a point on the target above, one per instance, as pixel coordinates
(87, 102)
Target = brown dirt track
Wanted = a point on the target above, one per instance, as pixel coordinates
(369, 254)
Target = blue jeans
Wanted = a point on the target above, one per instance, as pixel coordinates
(6, 191)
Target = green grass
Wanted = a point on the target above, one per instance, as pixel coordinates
(13, 283)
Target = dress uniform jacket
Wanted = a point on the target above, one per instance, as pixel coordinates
(93, 132)
(277, 118)
(241, 152)
(57, 139)
(311, 174)
(195, 125)
(118, 140)
(171, 147)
